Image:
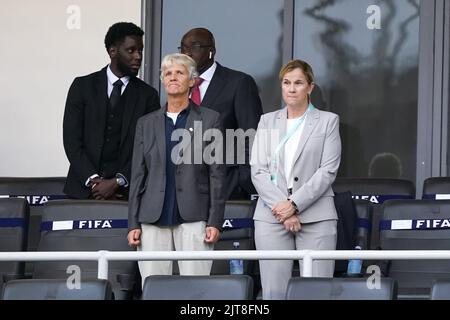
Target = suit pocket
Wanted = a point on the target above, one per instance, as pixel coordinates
(142, 190)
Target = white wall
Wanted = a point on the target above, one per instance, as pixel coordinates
(42, 51)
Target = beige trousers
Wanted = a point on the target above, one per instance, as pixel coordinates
(184, 237)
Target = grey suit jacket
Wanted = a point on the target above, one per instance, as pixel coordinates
(316, 163)
(200, 187)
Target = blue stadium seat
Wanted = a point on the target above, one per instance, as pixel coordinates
(87, 225)
(340, 289)
(376, 190)
(14, 214)
(416, 225)
(56, 289)
(37, 191)
(219, 287)
(436, 188)
(238, 226)
(440, 289)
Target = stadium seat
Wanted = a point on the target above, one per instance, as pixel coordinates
(416, 225)
(238, 226)
(37, 191)
(440, 290)
(353, 228)
(375, 190)
(436, 188)
(87, 225)
(340, 289)
(56, 289)
(14, 214)
(219, 287)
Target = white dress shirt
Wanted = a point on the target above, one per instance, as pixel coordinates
(207, 77)
(113, 78)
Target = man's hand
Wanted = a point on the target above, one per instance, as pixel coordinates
(283, 210)
(292, 224)
(212, 235)
(104, 189)
(134, 238)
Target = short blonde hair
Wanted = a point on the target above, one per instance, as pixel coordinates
(298, 64)
(182, 59)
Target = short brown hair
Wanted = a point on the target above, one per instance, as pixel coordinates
(298, 64)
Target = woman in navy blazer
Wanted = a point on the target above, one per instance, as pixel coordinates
(295, 159)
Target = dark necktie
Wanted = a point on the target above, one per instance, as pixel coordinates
(115, 94)
(195, 95)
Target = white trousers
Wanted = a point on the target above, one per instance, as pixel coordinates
(184, 237)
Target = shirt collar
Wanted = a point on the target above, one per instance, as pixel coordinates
(208, 74)
(113, 78)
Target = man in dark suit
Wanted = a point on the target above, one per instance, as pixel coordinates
(234, 95)
(100, 117)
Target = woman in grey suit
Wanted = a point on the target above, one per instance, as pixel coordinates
(295, 159)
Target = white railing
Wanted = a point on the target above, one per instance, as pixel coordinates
(308, 256)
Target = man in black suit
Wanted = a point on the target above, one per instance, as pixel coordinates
(100, 117)
(234, 95)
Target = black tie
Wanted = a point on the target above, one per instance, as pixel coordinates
(115, 94)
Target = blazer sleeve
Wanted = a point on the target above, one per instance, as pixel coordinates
(138, 177)
(151, 104)
(73, 126)
(260, 171)
(217, 175)
(322, 179)
(248, 111)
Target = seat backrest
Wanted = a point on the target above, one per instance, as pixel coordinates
(56, 289)
(339, 289)
(85, 225)
(363, 223)
(376, 190)
(219, 287)
(238, 226)
(37, 191)
(14, 215)
(437, 188)
(440, 290)
(416, 225)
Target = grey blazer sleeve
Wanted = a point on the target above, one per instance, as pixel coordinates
(217, 188)
(259, 162)
(322, 179)
(138, 177)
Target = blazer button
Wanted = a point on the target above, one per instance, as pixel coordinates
(296, 179)
(179, 189)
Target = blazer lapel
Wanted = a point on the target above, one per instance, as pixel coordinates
(160, 134)
(193, 127)
(215, 87)
(311, 121)
(101, 97)
(130, 105)
(280, 125)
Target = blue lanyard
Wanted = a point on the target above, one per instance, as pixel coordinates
(273, 176)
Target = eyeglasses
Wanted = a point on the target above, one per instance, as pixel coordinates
(194, 47)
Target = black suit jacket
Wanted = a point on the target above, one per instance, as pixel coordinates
(235, 96)
(84, 127)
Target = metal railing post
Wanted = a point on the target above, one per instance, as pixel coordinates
(307, 265)
(103, 265)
